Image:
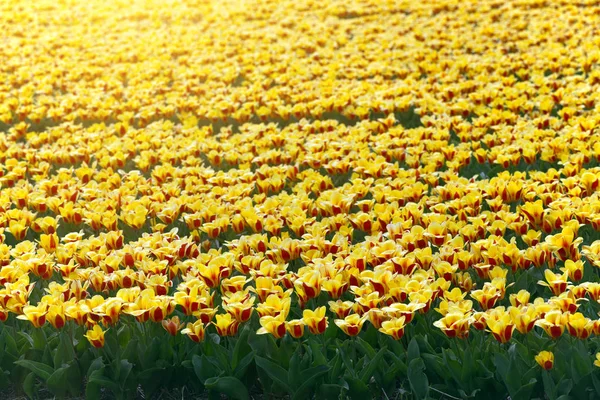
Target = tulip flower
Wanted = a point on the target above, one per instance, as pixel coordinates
(352, 324)
(295, 328)
(454, 324)
(276, 326)
(172, 325)
(35, 314)
(500, 325)
(226, 325)
(315, 320)
(194, 331)
(554, 323)
(545, 359)
(393, 328)
(95, 336)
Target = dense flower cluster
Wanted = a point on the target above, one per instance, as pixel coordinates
(295, 164)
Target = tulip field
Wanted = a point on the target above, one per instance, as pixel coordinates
(276, 199)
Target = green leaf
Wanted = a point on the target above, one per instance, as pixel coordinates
(258, 343)
(294, 369)
(274, 371)
(11, 344)
(331, 332)
(243, 365)
(514, 379)
(468, 366)
(154, 378)
(64, 351)
(417, 379)
(309, 377)
(241, 349)
(40, 369)
(524, 392)
(203, 368)
(39, 339)
(111, 344)
(97, 377)
(398, 363)
(413, 351)
(357, 389)
(564, 386)
(124, 336)
(502, 364)
(596, 384)
(74, 378)
(124, 370)
(549, 387)
(131, 350)
(28, 385)
(347, 362)
(27, 337)
(318, 356)
(93, 391)
(367, 373)
(365, 347)
(329, 391)
(336, 368)
(4, 379)
(221, 357)
(435, 363)
(95, 365)
(229, 386)
(57, 382)
(151, 353)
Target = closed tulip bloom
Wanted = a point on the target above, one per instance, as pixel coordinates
(545, 359)
(454, 324)
(234, 284)
(574, 269)
(56, 315)
(487, 296)
(241, 310)
(336, 286)
(95, 336)
(341, 308)
(315, 320)
(393, 328)
(189, 302)
(3, 314)
(520, 298)
(556, 283)
(352, 324)
(310, 283)
(35, 314)
(273, 325)
(172, 325)
(501, 325)
(295, 328)
(579, 326)
(274, 305)
(553, 323)
(205, 314)
(226, 325)
(211, 273)
(194, 331)
(404, 310)
(161, 308)
(524, 318)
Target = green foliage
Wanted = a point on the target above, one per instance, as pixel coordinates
(371, 365)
